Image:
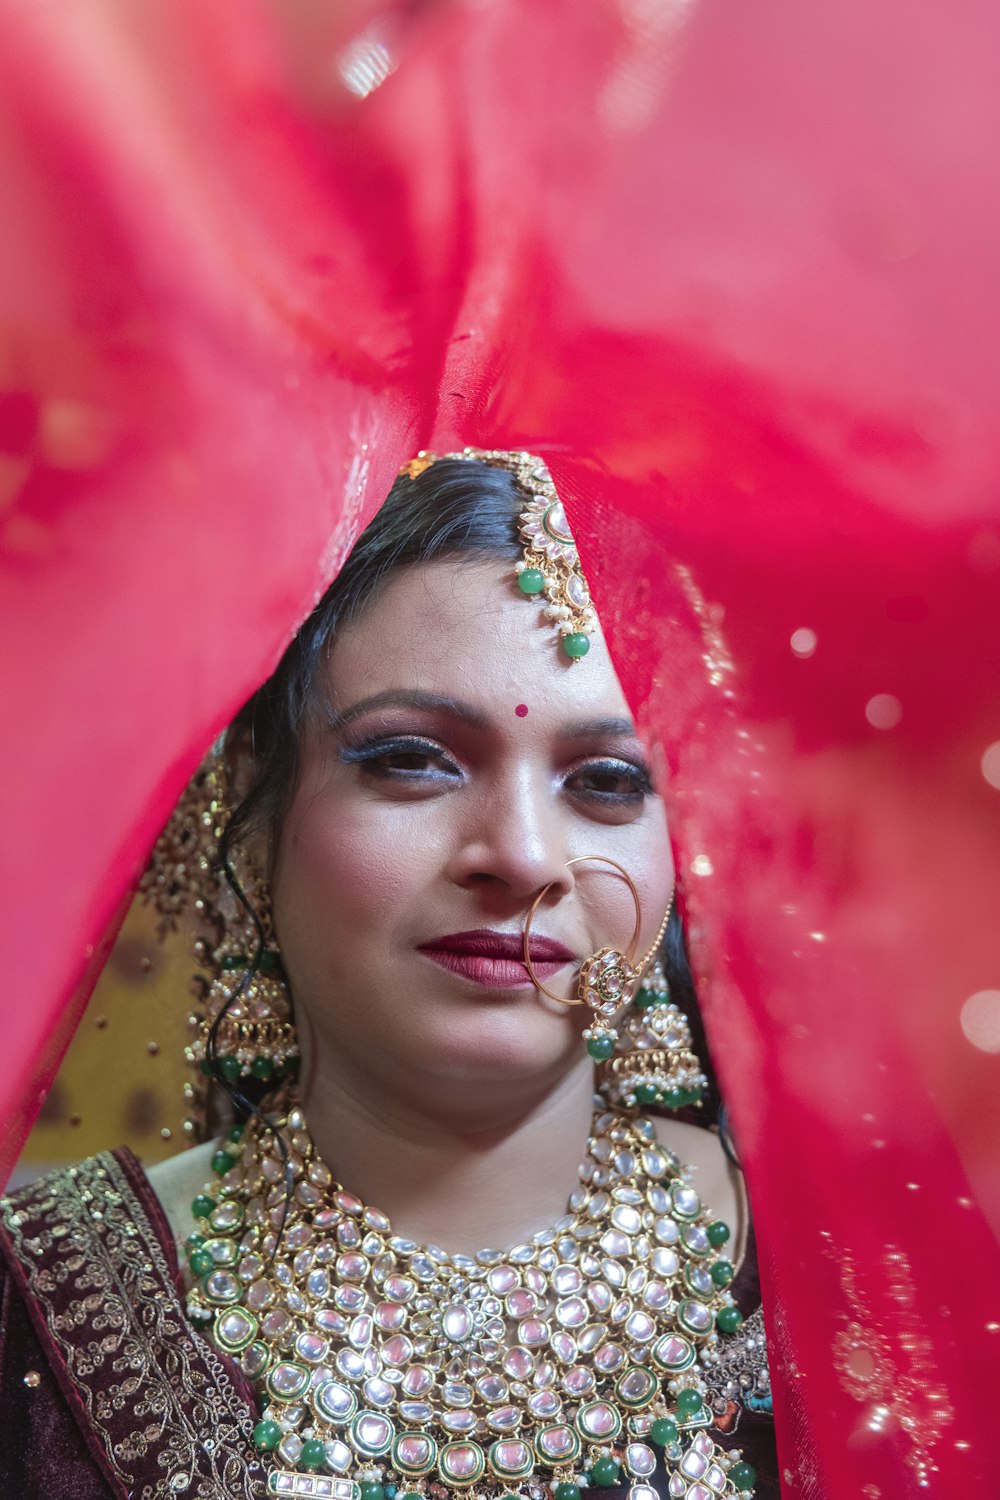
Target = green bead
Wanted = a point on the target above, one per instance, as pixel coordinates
(531, 581)
(646, 999)
(673, 1098)
(410, 1495)
(269, 961)
(206, 1068)
(647, 1093)
(235, 961)
(267, 1436)
(722, 1272)
(576, 644)
(601, 1048)
(743, 1476)
(230, 1068)
(664, 1431)
(201, 1262)
(372, 1490)
(390, 1491)
(566, 1491)
(236, 1134)
(194, 1242)
(202, 1206)
(222, 1162)
(718, 1233)
(604, 1471)
(313, 1456)
(689, 1402)
(262, 1068)
(728, 1319)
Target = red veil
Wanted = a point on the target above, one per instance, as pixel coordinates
(732, 268)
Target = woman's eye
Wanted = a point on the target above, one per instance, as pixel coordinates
(612, 781)
(402, 759)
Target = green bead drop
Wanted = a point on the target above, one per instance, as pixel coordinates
(222, 1162)
(646, 999)
(601, 1048)
(722, 1272)
(202, 1206)
(647, 1093)
(718, 1233)
(743, 1476)
(531, 581)
(410, 1495)
(262, 1068)
(267, 1436)
(604, 1472)
(313, 1456)
(576, 644)
(230, 1068)
(728, 1319)
(673, 1098)
(372, 1490)
(689, 1402)
(236, 1134)
(664, 1431)
(194, 1242)
(566, 1491)
(201, 1262)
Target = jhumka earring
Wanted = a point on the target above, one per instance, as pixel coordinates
(242, 1027)
(605, 981)
(656, 1063)
(550, 568)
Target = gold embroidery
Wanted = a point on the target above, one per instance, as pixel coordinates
(893, 1368)
(137, 1365)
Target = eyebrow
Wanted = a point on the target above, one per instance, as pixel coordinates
(579, 729)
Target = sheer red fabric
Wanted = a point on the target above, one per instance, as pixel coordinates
(732, 270)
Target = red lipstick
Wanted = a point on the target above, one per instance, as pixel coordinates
(496, 959)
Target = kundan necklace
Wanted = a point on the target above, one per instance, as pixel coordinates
(389, 1369)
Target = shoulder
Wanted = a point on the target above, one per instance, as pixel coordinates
(177, 1181)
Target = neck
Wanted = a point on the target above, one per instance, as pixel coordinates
(463, 1183)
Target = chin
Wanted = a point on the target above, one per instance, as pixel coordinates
(502, 1048)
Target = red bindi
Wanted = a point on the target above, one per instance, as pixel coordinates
(521, 710)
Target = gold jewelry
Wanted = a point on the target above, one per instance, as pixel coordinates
(242, 1027)
(381, 1362)
(550, 569)
(655, 1063)
(604, 981)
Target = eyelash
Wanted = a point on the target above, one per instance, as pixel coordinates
(372, 756)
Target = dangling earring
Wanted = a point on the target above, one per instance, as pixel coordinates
(656, 1064)
(245, 1029)
(243, 1026)
(606, 980)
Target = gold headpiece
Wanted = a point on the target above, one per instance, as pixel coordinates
(550, 567)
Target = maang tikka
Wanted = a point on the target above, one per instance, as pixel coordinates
(242, 1028)
(657, 1064)
(549, 570)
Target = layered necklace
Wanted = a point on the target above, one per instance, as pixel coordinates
(388, 1370)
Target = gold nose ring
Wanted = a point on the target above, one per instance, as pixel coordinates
(605, 979)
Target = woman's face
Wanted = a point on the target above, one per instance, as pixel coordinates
(467, 762)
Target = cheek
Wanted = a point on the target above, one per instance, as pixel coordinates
(344, 868)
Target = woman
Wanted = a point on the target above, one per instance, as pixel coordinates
(436, 879)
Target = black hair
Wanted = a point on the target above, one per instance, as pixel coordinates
(456, 508)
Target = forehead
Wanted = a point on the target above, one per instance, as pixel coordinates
(463, 629)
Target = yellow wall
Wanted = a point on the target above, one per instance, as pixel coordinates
(122, 1078)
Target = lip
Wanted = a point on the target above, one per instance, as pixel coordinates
(494, 959)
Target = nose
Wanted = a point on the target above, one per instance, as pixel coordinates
(512, 842)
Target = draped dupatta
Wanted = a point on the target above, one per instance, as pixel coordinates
(731, 270)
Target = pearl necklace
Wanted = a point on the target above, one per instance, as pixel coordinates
(384, 1366)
